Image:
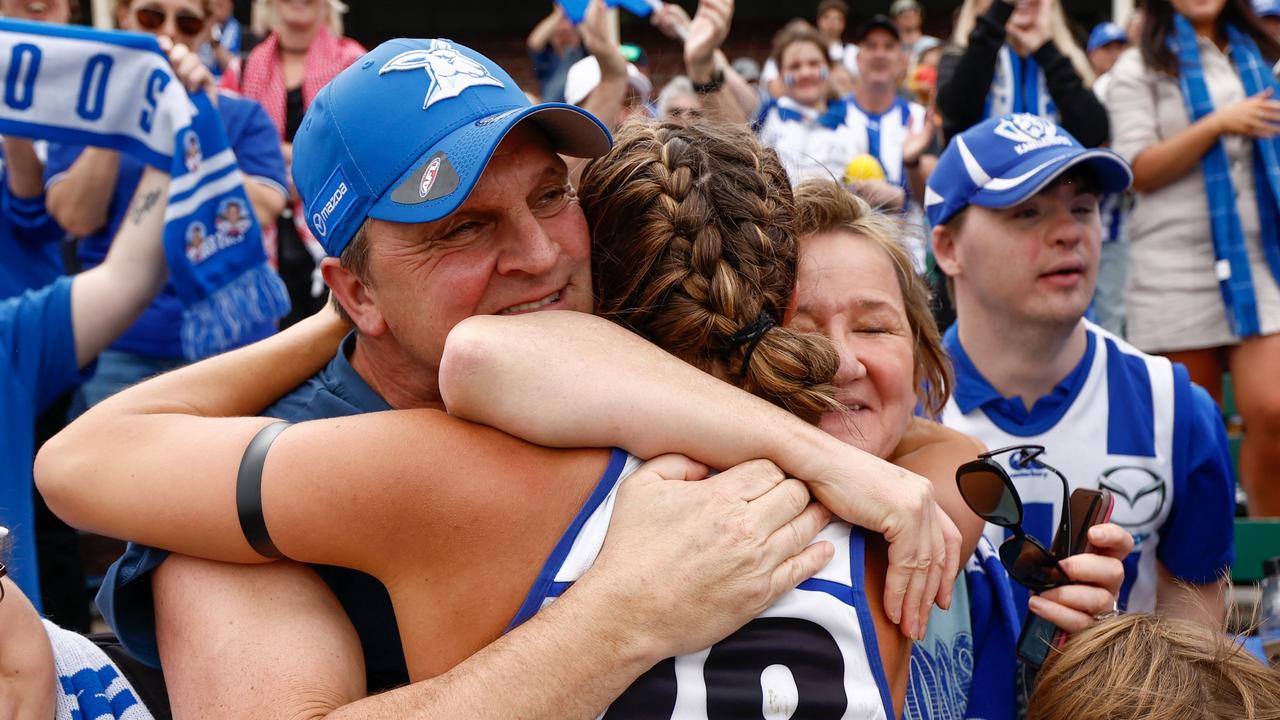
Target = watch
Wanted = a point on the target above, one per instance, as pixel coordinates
(716, 82)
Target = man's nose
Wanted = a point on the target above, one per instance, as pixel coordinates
(529, 249)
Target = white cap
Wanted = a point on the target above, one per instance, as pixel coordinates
(584, 76)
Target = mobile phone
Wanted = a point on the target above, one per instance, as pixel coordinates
(1088, 508)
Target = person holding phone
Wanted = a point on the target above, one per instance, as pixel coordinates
(1014, 204)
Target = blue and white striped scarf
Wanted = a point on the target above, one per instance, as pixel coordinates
(116, 90)
(1232, 267)
(1019, 86)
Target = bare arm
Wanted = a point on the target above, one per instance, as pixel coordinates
(734, 101)
(609, 376)
(599, 32)
(541, 33)
(23, 168)
(107, 299)
(80, 198)
(27, 682)
(1202, 602)
(268, 202)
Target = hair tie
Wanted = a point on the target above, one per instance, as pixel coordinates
(751, 335)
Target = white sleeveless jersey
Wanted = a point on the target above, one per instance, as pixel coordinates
(811, 145)
(887, 133)
(813, 654)
(1117, 434)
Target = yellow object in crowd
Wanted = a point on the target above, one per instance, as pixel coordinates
(863, 167)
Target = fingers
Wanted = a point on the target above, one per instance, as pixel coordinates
(1072, 607)
(1110, 540)
(799, 568)
(675, 467)
(951, 567)
(750, 480)
(933, 580)
(1096, 570)
(189, 69)
(797, 534)
(780, 505)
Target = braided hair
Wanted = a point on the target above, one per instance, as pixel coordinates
(694, 241)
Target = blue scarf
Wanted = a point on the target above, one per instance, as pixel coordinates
(1019, 86)
(1232, 267)
(116, 90)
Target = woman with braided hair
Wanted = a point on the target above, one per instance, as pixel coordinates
(473, 531)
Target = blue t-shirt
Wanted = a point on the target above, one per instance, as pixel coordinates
(37, 364)
(30, 252)
(1128, 422)
(256, 144)
(125, 596)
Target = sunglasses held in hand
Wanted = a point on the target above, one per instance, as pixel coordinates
(152, 18)
(989, 492)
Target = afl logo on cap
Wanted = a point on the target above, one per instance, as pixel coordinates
(429, 176)
(450, 71)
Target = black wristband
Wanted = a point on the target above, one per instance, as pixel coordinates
(717, 82)
(249, 491)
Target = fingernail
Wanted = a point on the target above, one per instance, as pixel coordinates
(1034, 602)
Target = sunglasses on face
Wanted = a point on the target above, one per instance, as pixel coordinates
(989, 492)
(153, 18)
(3, 571)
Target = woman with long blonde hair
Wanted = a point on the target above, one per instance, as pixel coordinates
(1018, 57)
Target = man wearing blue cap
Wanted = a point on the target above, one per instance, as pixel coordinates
(1014, 207)
(1106, 42)
(1268, 11)
(438, 193)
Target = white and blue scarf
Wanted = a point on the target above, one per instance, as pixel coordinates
(1232, 267)
(1019, 86)
(90, 686)
(116, 90)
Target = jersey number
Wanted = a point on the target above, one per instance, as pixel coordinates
(24, 66)
(773, 668)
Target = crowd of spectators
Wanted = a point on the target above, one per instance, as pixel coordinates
(1058, 243)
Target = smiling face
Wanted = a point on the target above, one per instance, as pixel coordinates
(831, 23)
(54, 11)
(1199, 12)
(847, 289)
(880, 58)
(1035, 262)
(804, 69)
(300, 14)
(182, 21)
(518, 244)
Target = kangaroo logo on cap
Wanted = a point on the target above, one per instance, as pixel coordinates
(1030, 132)
(450, 71)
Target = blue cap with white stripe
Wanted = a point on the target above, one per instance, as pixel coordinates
(1002, 161)
(405, 133)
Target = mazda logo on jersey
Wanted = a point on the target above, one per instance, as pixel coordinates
(1140, 495)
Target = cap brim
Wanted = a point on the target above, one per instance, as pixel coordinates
(1112, 173)
(571, 131)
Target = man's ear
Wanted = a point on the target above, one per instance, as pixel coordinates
(944, 250)
(355, 297)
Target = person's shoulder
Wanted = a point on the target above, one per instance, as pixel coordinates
(928, 438)
(1129, 64)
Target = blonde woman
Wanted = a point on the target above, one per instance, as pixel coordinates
(1018, 57)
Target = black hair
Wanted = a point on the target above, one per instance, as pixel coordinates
(1157, 26)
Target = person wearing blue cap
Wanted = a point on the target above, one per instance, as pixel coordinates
(436, 189)
(1268, 12)
(1197, 111)
(1014, 206)
(1106, 42)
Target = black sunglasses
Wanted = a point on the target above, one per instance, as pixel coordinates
(3, 571)
(152, 18)
(989, 491)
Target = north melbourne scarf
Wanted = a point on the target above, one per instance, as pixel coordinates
(1019, 86)
(116, 90)
(1235, 279)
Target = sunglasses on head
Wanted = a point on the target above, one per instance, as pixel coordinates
(152, 18)
(989, 491)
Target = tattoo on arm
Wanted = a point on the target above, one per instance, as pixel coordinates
(148, 201)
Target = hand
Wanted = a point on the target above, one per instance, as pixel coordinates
(1031, 28)
(687, 563)
(189, 69)
(1098, 575)
(919, 139)
(1258, 116)
(707, 31)
(924, 545)
(671, 20)
(599, 31)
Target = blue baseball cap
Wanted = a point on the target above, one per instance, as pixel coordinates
(1105, 34)
(1002, 161)
(1266, 8)
(405, 133)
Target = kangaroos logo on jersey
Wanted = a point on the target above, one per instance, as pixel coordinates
(1140, 495)
(449, 71)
